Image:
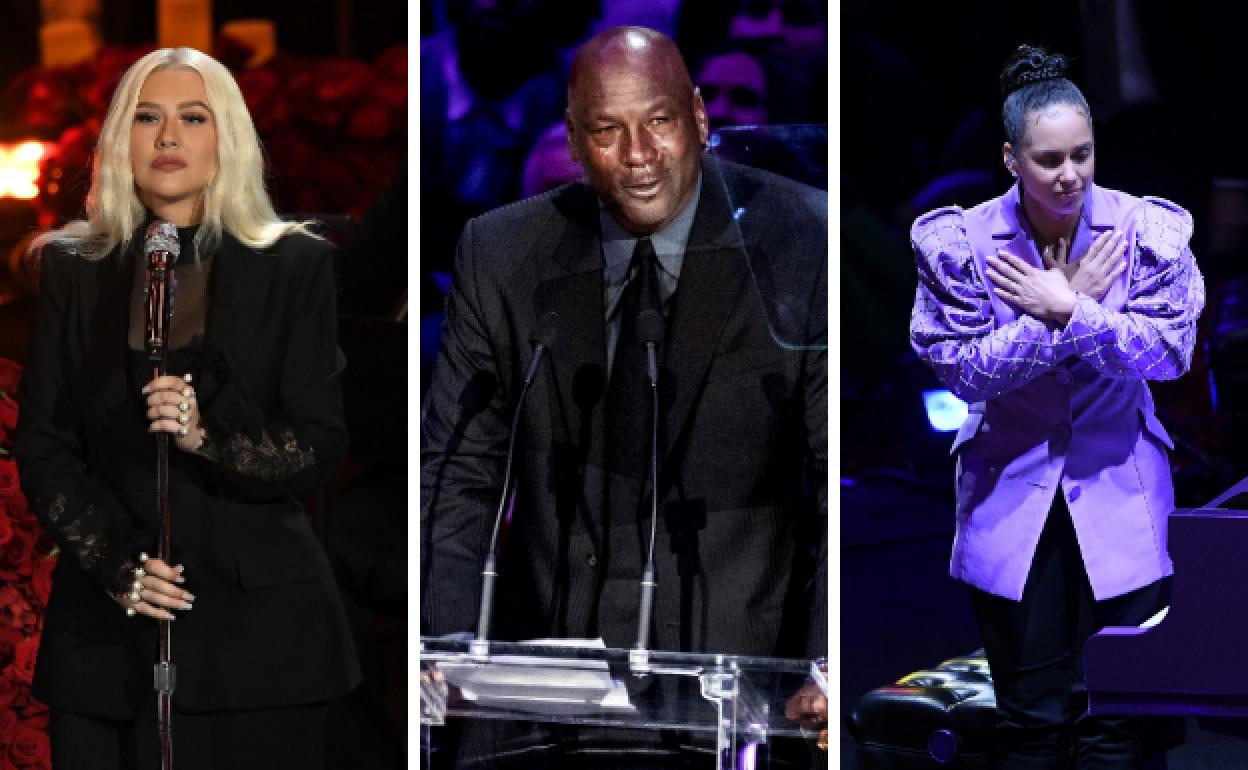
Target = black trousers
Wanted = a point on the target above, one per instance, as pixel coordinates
(265, 739)
(1035, 650)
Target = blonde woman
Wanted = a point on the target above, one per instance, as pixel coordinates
(254, 412)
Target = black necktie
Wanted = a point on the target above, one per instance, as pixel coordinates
(628, 397)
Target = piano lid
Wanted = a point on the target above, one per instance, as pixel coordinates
(1195, 661)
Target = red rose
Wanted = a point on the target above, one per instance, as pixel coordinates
(25, 616)
(232, 52)
(9, 483)
(48, 98)
(36, 715)
(22, 669)
(21, 701)
(65, 173)
(44, 545)
(8, 412)
(331, 89)
(21, 521)
(8, 691)
(15, 555)
(29, 747)
(6, 526)
(8, 725)
(9, 639)
(342, 79)
(41, 580)
(265, 95)
(389, 82)
(99, 77)
(371, 122)
(11, 604)
(10, 375)
(392, 62)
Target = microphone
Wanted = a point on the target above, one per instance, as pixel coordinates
(543, 338)
(649, 332)
(161, 247)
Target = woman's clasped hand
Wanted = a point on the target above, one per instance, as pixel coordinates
(1049, 294)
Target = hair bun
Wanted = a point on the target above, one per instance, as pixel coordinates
(1030, 64)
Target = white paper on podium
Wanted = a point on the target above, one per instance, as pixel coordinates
(541, 685)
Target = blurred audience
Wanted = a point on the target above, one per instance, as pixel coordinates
(492, 80)
(549, 163)
(733, 84)
(798, 27)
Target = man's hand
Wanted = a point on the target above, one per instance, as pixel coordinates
(1043, 294)
(808, 707)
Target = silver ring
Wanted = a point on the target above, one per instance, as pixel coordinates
(184, 407)
(142, 557)
(183, 419)
(131, 612)
(188, 392)
(183, 432)
(187, 378)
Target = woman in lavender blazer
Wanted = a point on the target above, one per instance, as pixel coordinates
(1047, 309)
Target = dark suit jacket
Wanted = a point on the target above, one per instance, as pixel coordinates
(268, 626)
(744, 424)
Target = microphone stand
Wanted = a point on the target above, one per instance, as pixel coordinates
(479, 648)
(650, 331)
(160, 280)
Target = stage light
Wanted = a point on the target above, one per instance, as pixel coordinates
(19, 169)
(945, 411)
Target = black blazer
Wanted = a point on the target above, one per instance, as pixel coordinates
(741, 560)
(268, 626)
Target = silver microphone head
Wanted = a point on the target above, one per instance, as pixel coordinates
(162, 236)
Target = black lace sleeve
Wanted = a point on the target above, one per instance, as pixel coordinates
(261, 450)
(81, 514)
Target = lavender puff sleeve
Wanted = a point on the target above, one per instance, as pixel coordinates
(952, 326)
(1152, 337)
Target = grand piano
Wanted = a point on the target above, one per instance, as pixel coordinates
(1194, 662)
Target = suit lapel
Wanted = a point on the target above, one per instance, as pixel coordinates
(711, 278)
(573, 288)
(1005, 231)
(240, 284)
(104, 326)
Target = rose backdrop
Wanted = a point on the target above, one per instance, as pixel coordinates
(27, 556)
(334, 130)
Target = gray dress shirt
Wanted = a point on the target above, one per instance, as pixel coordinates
(617, 252)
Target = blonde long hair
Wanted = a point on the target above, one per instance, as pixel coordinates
(234, 201)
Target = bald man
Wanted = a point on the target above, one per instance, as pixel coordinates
(740, 553)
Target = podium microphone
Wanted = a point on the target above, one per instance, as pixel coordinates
(649, 331)
(542, 339)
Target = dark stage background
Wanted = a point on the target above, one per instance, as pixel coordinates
(920, 128)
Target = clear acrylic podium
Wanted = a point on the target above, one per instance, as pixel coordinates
(729, 703)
